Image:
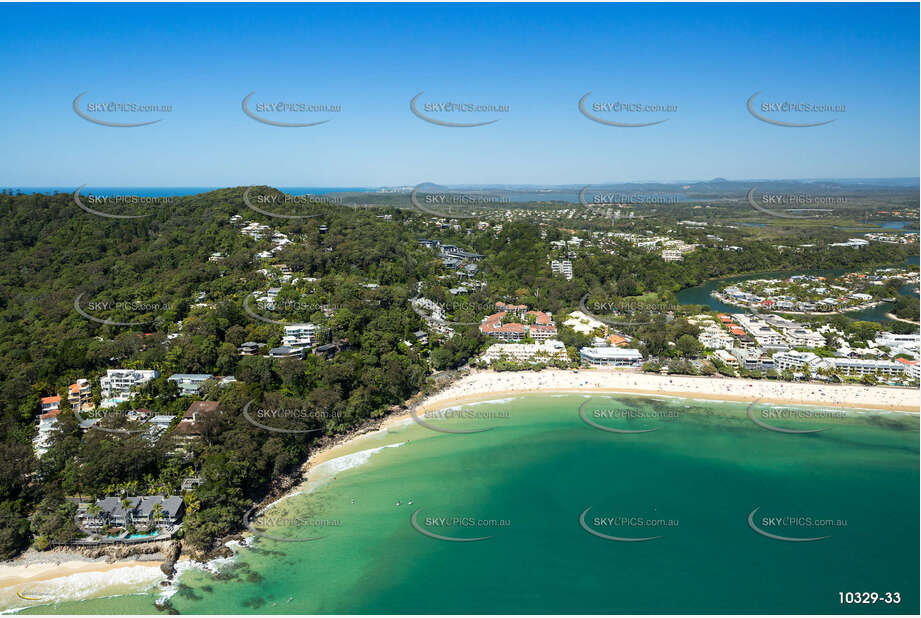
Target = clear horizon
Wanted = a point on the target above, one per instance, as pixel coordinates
(532, 64)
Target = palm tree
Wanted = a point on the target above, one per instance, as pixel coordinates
(126, 505)
(157, 513)
(94, 510)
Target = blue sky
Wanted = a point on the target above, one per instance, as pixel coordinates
(537, 59)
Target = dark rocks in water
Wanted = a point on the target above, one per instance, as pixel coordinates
(172, 555)
(254, 577)
(166, 606)
(254, 603)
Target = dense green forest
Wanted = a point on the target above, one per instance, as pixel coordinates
(189, 317)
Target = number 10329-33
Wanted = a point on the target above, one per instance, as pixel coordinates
(854, 598)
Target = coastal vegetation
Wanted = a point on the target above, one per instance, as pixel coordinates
(179, 311)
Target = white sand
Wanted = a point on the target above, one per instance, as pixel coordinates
(485, 383)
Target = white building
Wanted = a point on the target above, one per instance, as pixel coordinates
(793, 361)
(563, 267)
(120, 382)
(851, 242)
(672, 255)
(860, 367)
(526, 352)
(727, 358)
(804, 337)
(716, 338)
(759, 330)
(611, 357)
(299, 334)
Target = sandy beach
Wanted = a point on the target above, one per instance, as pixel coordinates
(486, 383)
(18, 574)
(480, 384)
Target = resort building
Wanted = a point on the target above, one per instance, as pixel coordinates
(912, 368)
(805, 338)
(141, 511)
(610, 357)
(791, 360)
(754, 359)
(120, 382)
(726, 358)
(526, 352)
(860, 367)
(715, 338)
(495, 325)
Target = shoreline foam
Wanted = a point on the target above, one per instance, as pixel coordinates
(481, 387)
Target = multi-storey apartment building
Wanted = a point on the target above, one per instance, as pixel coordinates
(120, 382)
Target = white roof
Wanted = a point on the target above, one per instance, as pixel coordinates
(612, 353)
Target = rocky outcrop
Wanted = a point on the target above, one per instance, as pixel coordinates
(172, 555)
(153, 551)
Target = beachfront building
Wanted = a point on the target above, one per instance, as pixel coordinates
(526, 352)
(912, 368)
(498, 325)
(760, 331)
(120, 382)
(141, 511)
(726, 358)
(715, 338)
(791, 360)
(861, 367)
(299, 334)
(754, 358)
(610, 357)
(189, 383)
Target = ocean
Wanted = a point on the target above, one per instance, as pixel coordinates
(174, 191)
(561, 504)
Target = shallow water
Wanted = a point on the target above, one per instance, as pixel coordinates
(693, 482)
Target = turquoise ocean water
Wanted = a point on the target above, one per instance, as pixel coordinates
(691, 485)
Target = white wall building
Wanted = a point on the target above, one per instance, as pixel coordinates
(526, 352)
(794, 361)
(804, 337)
(299, 334)
(715, 338)
(563, 267)
(611, 357)
(120, 382)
